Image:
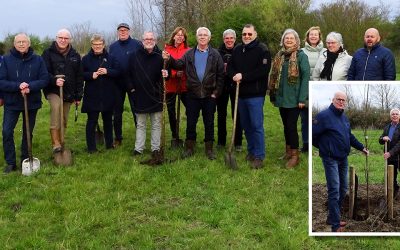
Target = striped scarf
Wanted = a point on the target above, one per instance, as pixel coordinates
(276, 72)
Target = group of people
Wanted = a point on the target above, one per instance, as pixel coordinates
(202, 78)
(331, 130)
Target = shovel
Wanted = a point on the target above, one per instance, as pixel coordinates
(230, 159)
(64, 157)
(30, 164)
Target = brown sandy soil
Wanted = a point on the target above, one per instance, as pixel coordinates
(376, 222)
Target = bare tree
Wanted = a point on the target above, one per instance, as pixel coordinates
(81, 34)
(384, 96)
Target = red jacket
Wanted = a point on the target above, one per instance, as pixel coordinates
(173, 81)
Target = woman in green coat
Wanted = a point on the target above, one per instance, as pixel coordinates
(288, 87)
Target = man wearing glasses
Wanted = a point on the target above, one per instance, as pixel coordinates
(21, 73)
(146, 85)
(391, 136)
(249, 66)
(122, 49)
(331, 134)
(65, 70)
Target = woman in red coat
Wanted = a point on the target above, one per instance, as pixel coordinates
(176, 84)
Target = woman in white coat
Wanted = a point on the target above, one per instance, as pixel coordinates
(334, 63)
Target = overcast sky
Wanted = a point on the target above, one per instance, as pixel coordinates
(46, 17)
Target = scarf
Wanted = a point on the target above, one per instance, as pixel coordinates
(328, 64)
(276, 72)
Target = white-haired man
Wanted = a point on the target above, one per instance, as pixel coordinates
(62, 59)
(205, 76)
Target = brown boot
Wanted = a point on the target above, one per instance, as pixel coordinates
(156, 158)
(209, 150)
(294, 158)
(55, 140)
(189, 148)
(286, 156)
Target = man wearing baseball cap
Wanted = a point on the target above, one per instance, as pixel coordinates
(121, 50)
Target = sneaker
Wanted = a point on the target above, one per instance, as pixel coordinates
(10, 168)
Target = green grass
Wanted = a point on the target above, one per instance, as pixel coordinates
(109, 201)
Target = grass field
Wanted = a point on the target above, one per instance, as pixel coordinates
(109, 201)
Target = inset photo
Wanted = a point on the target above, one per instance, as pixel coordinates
(354, 161)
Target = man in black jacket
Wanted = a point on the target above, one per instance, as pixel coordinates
(391, 136)
(65, 70)
(250, 65)
(205, 75)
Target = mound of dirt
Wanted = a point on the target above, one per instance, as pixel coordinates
(375, 222)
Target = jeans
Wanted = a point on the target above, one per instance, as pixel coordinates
(119, 109)
(252, 121)
(289, 118)
(171, 100)
(155, 120)
(304, 124)
(91, 125)
(336, 182)
(222, 104)
(207, 107)
(10, 120)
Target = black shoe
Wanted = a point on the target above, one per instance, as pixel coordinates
(92, 151)
(10, 168)
(136, 153)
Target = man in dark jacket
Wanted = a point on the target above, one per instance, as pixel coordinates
(373, 62)
(331, 133)
(228, 91)
(122, 49)
(250, 66)
(21, 73)
(205, 75)
(391, 136)
(65, 70)
(145, 82)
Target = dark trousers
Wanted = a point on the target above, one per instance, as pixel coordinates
(222, 105)
(289, 118)
(118, 111)
(10, 119)
(91, 124)
(207, 107)
(171, 101)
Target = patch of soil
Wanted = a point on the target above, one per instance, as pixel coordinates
(375, 222)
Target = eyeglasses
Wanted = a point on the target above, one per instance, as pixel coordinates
(247, 34)
(97, 44)
(340, 100)
(395, 114)
(148, 39)
(63, 38)
(21, 42)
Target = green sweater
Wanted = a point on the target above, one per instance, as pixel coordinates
(290, 95)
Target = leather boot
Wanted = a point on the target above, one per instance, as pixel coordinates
(176, 143)
(55, 140)
(294, 158)
(209, 150)
(286, 156)
(156, 159)
(189, 148)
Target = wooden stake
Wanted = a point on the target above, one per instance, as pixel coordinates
(390, 192)
(352, 189)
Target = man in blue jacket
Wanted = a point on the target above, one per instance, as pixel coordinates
(121, 50)
(22, 73)
(331, 133)
(373, 62)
